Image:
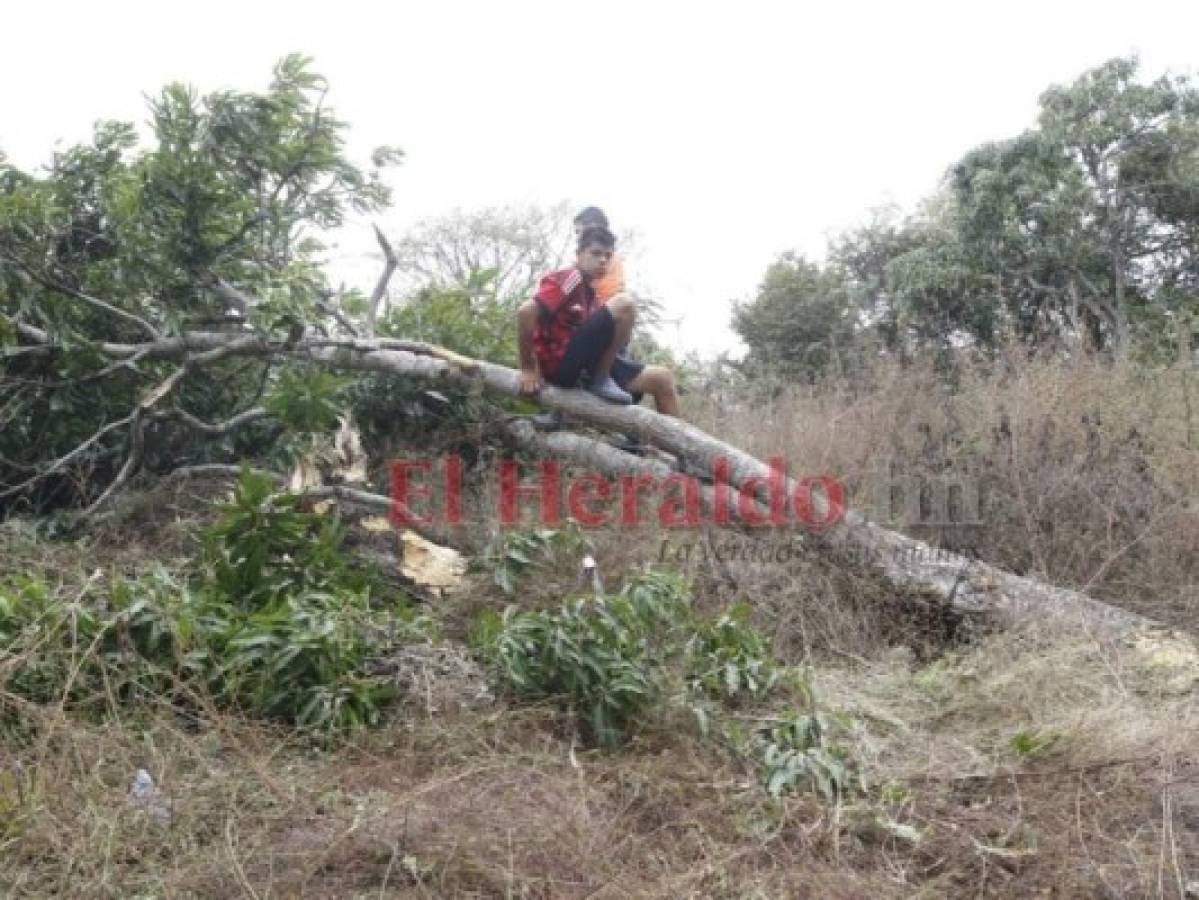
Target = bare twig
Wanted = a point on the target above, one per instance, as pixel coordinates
(376, 502)
(211, 429)
(365, 499)
(57, 464)
(137, 446)
(137, 436)
(329, 307)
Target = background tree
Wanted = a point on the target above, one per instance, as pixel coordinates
(512, 245)
(800, 323)
(1082, 229)
(462, 275)
(861, 256)
(1084, 226)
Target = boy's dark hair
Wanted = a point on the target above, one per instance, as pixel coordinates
(592, 215)
(596, 234)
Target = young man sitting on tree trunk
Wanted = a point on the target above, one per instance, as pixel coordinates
(569, 339)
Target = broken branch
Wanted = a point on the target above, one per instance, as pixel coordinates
(390, 262)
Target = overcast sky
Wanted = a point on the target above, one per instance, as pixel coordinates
(722, 133)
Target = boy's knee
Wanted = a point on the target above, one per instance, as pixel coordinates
(623, 307)
(660, 378)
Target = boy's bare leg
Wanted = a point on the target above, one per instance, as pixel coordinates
(658, 382)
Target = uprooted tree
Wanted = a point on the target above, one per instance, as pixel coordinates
(165, 309)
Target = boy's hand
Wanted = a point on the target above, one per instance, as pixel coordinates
(530, 382)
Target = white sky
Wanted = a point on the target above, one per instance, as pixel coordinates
(722, 133)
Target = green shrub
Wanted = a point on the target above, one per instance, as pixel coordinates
(517, 553)
(794, 752)
(607, 659)
(599, 656)
(306, 400)
(730, 660)
(291, 626)
(301, 659)
(265, 548)
(273, 622)
(34, 627)
(110, 644)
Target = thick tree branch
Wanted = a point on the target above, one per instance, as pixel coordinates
(601, 457)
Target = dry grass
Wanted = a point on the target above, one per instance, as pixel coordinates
(1002, 763)
(502, 803)
(1087, 471)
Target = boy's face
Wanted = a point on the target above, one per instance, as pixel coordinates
(593, 261)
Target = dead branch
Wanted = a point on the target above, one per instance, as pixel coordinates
(213, 429)
(389, 266)
(137, 446)
(137, 436)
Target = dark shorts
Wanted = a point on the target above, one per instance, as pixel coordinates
(587, 346)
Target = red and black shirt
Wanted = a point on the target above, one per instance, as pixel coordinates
(565, 301)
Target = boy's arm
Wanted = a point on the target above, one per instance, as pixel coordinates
(617, 272)
(526, 322)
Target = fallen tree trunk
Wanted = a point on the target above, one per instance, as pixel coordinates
(967, 584)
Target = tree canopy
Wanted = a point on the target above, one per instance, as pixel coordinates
(1083, 229)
